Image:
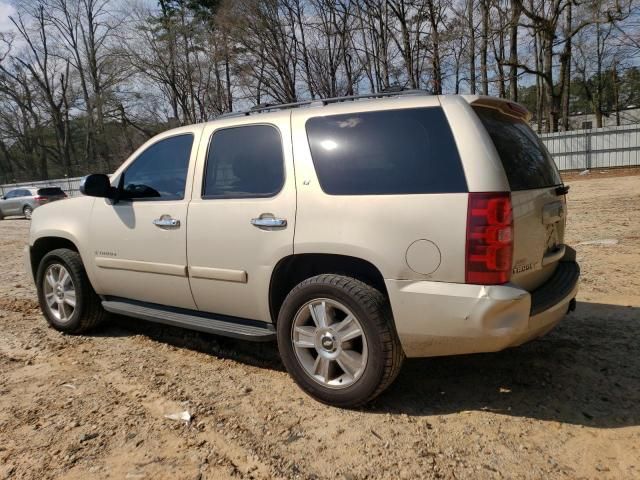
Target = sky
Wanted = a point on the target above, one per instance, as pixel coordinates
(6, 9)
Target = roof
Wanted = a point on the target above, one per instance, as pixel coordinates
(506, 106)
(267, 107)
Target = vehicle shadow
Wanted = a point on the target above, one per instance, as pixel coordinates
(256, 354)
(586, 371)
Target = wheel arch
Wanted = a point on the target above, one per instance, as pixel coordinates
(43, 245)
(293, 269)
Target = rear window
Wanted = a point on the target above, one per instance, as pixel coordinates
(524, 157)
(50, 192)
(409, 151)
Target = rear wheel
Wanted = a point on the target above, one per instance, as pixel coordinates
(66, 297)
(27, 211)
(337, 340)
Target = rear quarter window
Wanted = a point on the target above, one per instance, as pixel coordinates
(408, 151)
(526, 161)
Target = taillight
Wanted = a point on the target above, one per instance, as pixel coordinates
(39, 199)
(489, 238)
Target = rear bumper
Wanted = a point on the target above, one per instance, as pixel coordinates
(435, 318)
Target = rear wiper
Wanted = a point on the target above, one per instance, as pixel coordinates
(562, 190)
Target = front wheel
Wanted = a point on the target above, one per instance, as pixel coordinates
(337, 340)
(66, 296)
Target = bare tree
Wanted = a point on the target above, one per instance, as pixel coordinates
(49, 74)
(264, 31)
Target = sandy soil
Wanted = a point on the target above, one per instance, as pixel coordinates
(565, 406)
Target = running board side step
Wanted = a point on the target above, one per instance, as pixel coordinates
(203, 322)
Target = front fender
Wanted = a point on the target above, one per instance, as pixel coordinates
(69, 220)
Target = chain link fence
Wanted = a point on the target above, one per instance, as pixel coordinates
(71, 186)
(608, 147)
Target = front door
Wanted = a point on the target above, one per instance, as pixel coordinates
(10, 203)
(140, 249)
(241, 217)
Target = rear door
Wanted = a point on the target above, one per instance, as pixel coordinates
(242, 215)
(21, 198)
(539, 205)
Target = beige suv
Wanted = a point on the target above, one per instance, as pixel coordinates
(355, 231)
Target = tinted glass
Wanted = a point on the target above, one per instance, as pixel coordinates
(244, 162)
(160, 172)
(524, 157)
(386, 152)
(50, 192)
(12, 194)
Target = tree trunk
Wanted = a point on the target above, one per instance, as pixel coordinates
(516, 11)
(472, 47)
(305, 52)
(484, 45)
(539, 82)
(435, 58)
(597, 103)
(565, 70)
(616, 89)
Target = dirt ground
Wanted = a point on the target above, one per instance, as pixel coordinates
(565, 406)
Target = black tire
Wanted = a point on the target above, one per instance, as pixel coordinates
(88, 312)
(371, 308)
(27, 211)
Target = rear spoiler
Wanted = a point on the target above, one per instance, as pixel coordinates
(506, 107)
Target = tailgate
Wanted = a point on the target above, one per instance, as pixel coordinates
(537, 194)
(538, 227)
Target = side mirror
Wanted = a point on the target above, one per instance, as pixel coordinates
(96, 185)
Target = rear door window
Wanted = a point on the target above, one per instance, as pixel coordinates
(408, 151)
(525, 159)
(244, 162)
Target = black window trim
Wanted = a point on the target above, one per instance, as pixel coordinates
(242, 197)
(455, 144)
(158, 199)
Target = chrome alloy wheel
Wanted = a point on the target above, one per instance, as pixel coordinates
(59, 292)
(329, 342)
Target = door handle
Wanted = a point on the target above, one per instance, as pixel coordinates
(166, 222)
(268, 221)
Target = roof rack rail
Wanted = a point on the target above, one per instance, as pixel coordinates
(265, 107)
